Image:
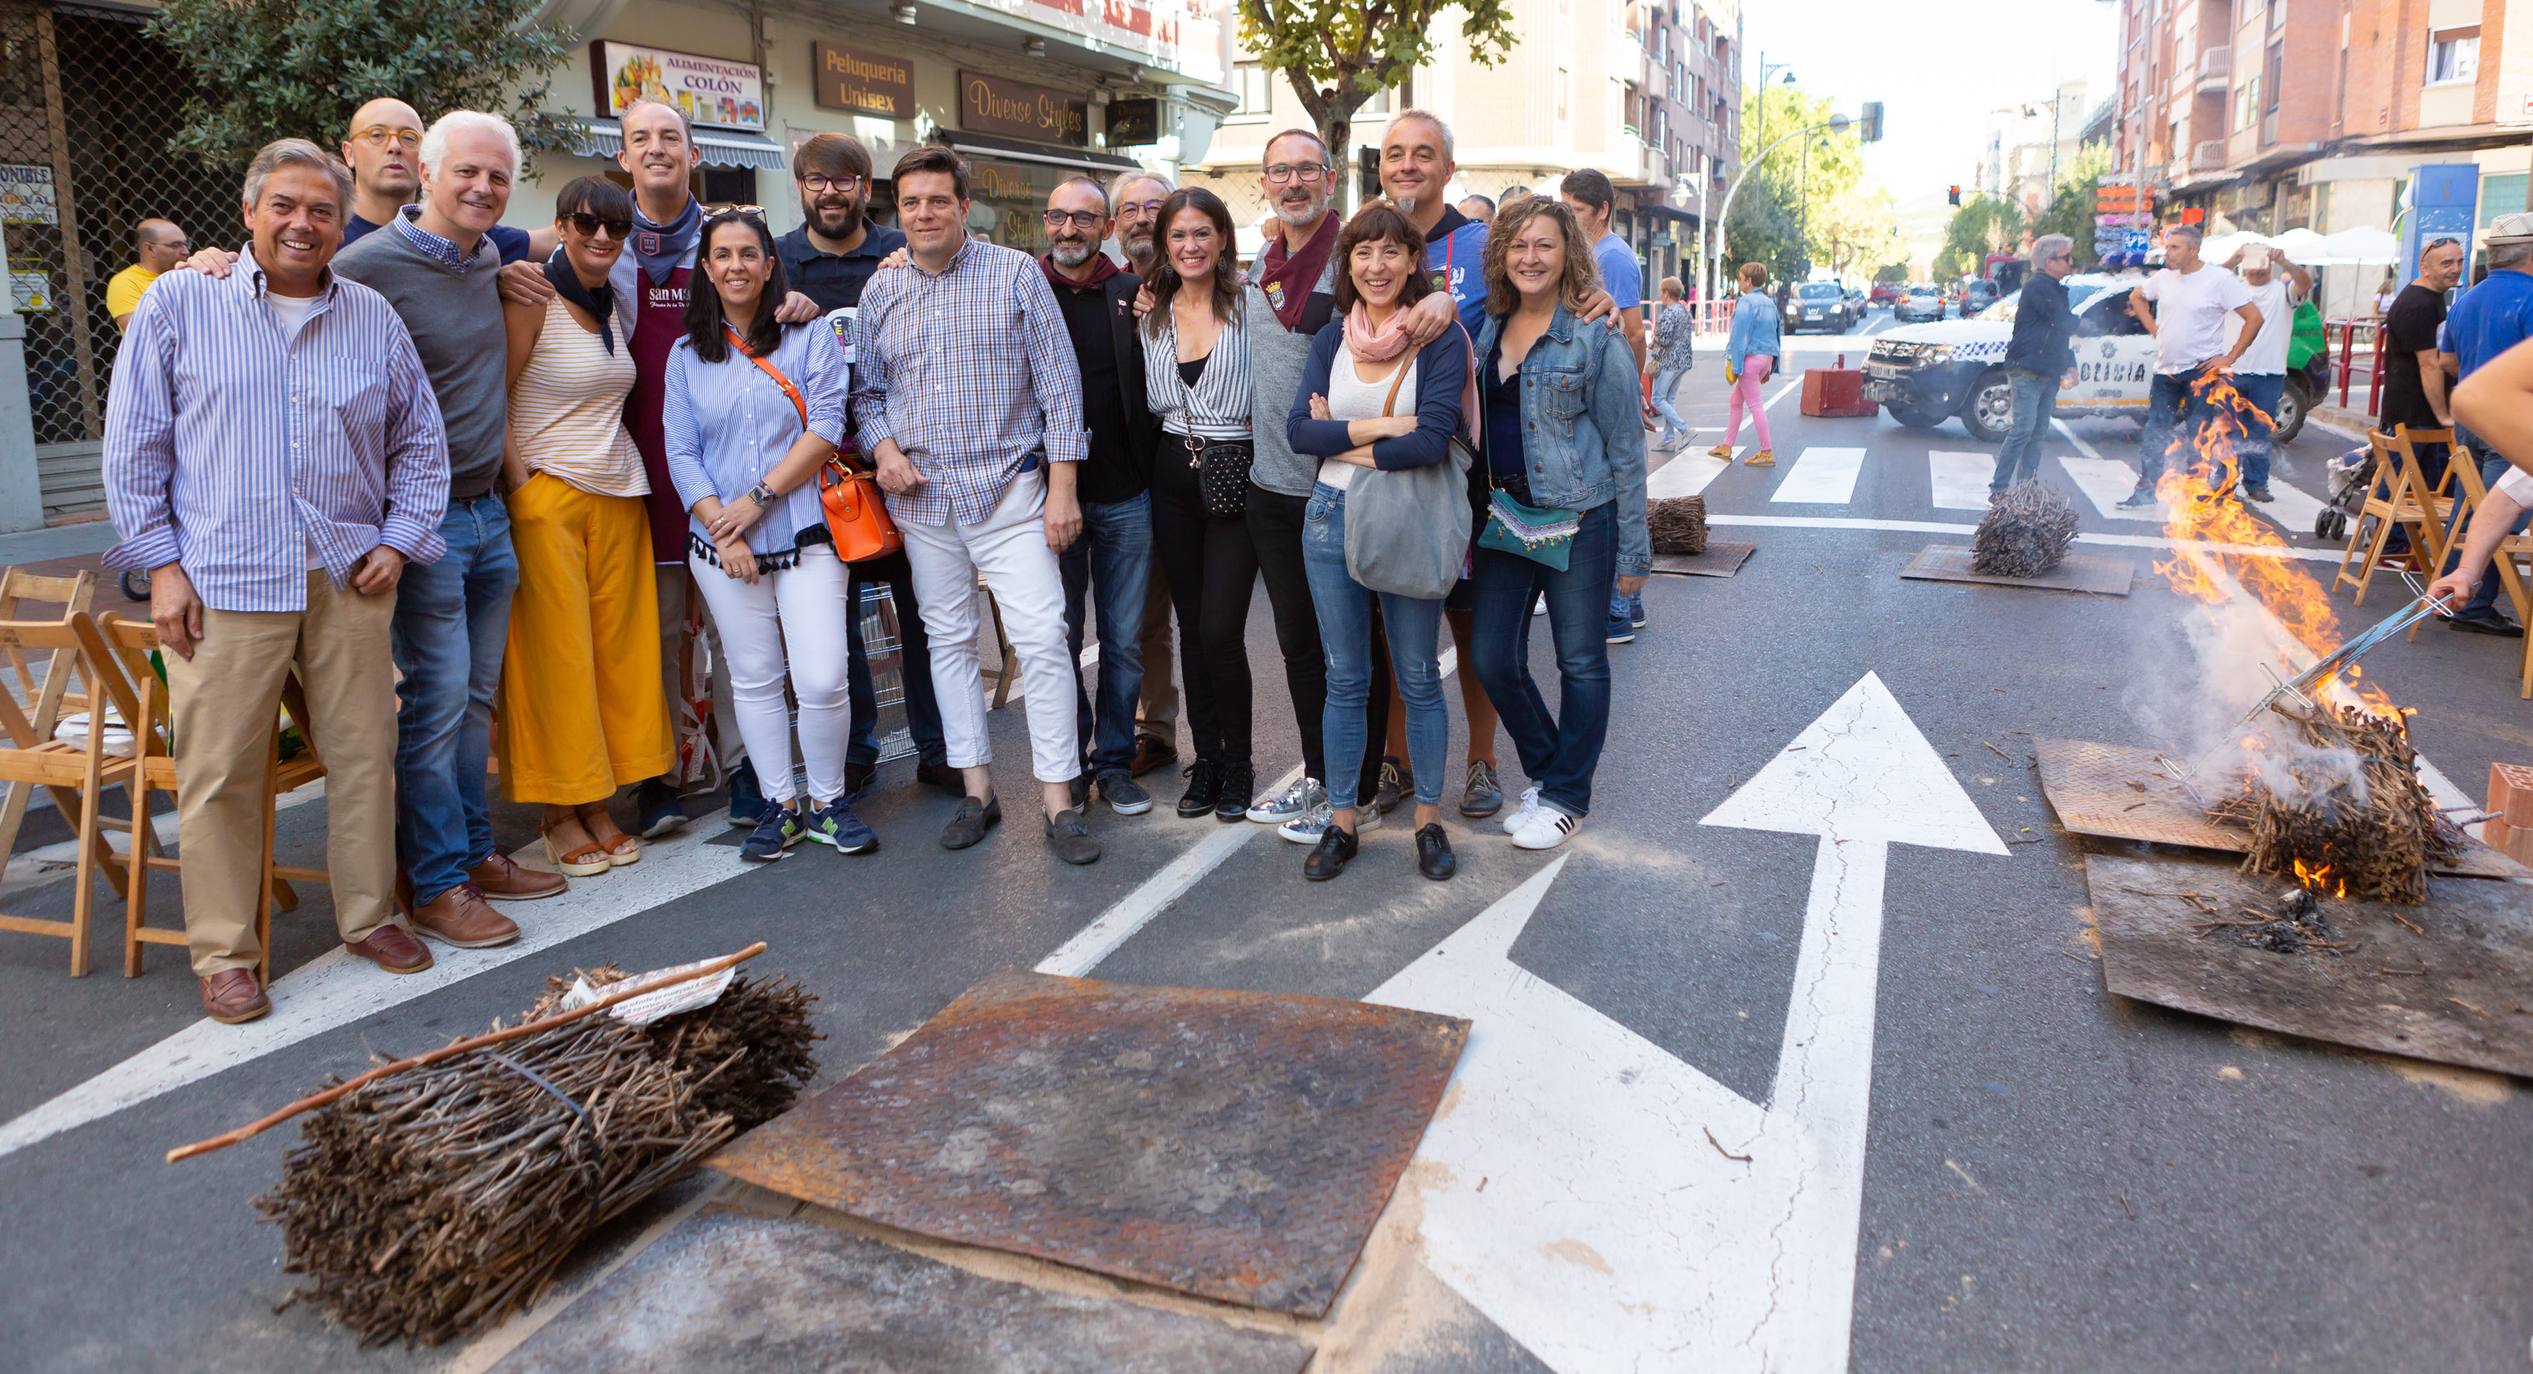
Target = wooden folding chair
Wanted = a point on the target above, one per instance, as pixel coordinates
(76, 776)
(1009, 671)
(2409, 502)
(129, 644)
(2470, 492)
(42, 691)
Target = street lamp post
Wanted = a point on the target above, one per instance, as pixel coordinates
(1838, 124)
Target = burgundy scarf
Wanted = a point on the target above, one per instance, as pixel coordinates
(1288, 281)
(1102, 268)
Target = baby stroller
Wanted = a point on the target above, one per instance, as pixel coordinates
(2352, 474)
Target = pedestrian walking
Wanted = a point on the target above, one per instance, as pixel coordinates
(2185, 306)
(2276, 286)
(1566, 469)
(2038, 362)
(2486, 325)
(205, 445)
(968, 396)
(1750, 354)
(1371, 402)
(585, 615)
(438, 268)
(1674, 352)
(157, 246)
(754, 408)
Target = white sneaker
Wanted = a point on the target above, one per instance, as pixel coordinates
(1296, 801)
(1547, 828)
(1521, 814)
(1310, 825)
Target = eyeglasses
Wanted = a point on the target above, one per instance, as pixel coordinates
(824, 184)
(589, 224)
(379, 136)
(1079, 219)
(1150, 209)
(1284, 172)
(756, 212)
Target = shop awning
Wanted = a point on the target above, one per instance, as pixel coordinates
(721, 147)
(1020, 150)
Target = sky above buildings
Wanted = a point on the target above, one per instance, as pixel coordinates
(1938, 67)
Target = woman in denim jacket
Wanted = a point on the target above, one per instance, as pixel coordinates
(1564, 431)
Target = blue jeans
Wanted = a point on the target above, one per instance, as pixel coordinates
(1666, 381)
(1413, 627)
(2484, 598)
(452, 617)
(1558, 752)
(914, 666)
(2262, 389)
(2035, 404)
(2168, 402)
(1112, 563)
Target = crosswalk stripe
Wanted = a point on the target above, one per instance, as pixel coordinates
(2293, 511)
(1822, 477)
(1960, 479)
(1687, 474)
(2106, 482)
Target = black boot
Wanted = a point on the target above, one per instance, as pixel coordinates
(1204, 788)
(1239, 788)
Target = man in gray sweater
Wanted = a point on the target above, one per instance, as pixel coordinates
(440, 271)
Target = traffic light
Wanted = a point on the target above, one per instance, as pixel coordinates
(1871, 124)
(1952, 195)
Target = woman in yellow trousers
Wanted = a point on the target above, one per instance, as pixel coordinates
(580, 711)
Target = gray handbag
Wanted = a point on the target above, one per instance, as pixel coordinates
(1407, 529)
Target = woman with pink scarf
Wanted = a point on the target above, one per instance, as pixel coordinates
(1369, 399)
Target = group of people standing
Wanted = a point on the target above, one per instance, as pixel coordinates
(462, 473)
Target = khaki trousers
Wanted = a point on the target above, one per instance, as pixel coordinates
(226, 701)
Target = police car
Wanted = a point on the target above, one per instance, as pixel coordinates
(1926, 374)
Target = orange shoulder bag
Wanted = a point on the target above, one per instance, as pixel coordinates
(857, 520)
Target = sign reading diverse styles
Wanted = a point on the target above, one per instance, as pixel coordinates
(707, 90)
(992, 105)
(26, 195)
(1136, 120)
(866, 83)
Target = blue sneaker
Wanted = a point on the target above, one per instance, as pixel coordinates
(777, 830)
(747, 802)
(1636, 610)
(835, 826)
(657, 810)
(1620, 631)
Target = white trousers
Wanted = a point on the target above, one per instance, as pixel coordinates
(1010, 549)
(796, 615)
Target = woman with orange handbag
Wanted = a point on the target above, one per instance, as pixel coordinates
(753, 412)
(585, 615)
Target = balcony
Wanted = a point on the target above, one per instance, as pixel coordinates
(2216, 69)
(2208, 156)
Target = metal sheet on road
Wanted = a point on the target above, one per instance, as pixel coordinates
(1233, 1145)
(726, 1289)
(2452, 990)
(2078, 573)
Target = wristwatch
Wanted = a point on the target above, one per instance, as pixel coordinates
(762, 495)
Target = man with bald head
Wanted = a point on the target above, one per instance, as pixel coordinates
(157, 246)
(383, 148)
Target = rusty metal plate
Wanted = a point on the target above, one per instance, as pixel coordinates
(2079, 572)
(1233, 1145)
(2456, 991)
(2117, 792)
(1722, 558)
(727, 1290)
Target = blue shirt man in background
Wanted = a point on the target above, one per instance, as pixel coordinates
(2491, 318)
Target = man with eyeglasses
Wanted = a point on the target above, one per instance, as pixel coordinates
(157, 246)
(2038, 361)
(1135, 200)
(1108, 569)
(830, 259)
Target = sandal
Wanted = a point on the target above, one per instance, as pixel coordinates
(623, 852)
(585, 861)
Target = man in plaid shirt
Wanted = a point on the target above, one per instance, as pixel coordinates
(970, 400)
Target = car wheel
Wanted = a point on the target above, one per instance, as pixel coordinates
(1913, 417)
(1988, 413)
(2293, 403)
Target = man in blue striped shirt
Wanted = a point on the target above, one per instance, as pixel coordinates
(274, 457)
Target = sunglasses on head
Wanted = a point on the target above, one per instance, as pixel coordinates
(589, 224)
(756, 212)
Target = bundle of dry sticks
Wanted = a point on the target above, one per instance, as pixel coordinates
(2351, 804)
(438, 1198)
(1677, 524)
(2024, 534)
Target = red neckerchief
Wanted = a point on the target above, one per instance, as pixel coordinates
(1102, 268)
(1289, 280)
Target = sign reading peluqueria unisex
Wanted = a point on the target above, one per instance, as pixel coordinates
(707, 90)
(992, 105)
(863, 82)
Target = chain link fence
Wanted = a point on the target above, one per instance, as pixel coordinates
(88, 101)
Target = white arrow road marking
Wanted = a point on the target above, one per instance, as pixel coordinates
(1960, 480)
(1610, 1233)
(1821, 477)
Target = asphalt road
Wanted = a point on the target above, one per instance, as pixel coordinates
(2050, 1178)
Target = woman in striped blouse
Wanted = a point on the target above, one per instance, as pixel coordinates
(585, 616)
(1196, 380)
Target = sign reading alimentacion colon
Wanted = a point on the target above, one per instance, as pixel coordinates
(707, 90)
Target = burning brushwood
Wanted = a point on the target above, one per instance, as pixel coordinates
(1677, 524)
(2340, 808)
(2298, 926)
(433, 1196)
(2024, 534)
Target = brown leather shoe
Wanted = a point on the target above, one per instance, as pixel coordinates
(393, 948)
(462, 917)
(231, 996)
(502, 880)
(1152, 752)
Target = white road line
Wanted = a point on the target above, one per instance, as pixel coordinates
(1821, 477)
(2293, 511)
(2130, 541)
(2106, 482)
(1688, 473)
(1960, 480)
(1075, 958)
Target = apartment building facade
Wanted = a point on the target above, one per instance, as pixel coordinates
(2268, 115)
(1648, 91)
(2031, 144)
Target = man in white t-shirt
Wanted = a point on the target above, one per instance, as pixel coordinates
(2276, 286)
(2184, 306)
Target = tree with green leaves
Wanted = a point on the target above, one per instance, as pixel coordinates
(2071, 207)
(1340, 53)
(299, 68)
(1801, 199)
(1983, 225)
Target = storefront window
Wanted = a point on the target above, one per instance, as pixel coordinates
(1007, 201)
